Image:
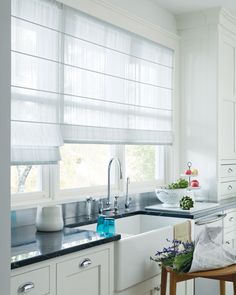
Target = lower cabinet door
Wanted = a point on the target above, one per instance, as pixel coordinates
(229, 240)
(33, 282)
(85, 275)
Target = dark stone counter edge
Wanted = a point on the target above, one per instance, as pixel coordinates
(59, 253)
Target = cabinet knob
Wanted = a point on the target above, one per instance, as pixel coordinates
(227, 242)
(25, 288)
(157, 288)
(230, 170)
(231, 219)
(230, 187)
(85, 263)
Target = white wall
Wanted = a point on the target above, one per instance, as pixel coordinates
(5, 146)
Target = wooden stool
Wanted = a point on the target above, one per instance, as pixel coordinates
(226, 274)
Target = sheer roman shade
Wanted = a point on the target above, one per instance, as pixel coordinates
(78, 79)
(36, 49)
(117, 86)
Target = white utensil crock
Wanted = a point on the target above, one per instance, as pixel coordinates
(49, 218)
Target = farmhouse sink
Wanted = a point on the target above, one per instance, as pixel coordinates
(141, 237)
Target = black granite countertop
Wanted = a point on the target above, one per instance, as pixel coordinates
(140, 209)
(29, 246)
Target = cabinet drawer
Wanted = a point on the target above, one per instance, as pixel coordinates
(89, 274)
(228, 170)
(229, 239)
(76, 265)
(228, 188)
(230, 221)
(34, 282)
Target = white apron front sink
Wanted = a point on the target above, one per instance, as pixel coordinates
(141, 237)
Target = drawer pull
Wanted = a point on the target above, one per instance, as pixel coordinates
(85, 263)
(25, 288)
(231, 219)
(230, 170)
(230, 187)
(157, 288)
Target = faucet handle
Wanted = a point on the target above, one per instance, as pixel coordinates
(116, 204)
(89, 206)
(100, 206)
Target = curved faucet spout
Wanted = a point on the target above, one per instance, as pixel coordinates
(109, 178)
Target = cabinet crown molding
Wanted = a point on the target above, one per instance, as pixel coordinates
(209, 17)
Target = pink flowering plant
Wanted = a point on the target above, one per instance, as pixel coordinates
(178, 256)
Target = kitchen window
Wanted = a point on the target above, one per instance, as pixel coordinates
(145, 164)
(29, 183)
(26, 179)
(84, 91)
(84, 165)
(84, 168)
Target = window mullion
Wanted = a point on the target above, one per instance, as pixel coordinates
(54, 181)
(45, 180)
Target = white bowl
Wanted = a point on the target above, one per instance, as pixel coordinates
(170, 197)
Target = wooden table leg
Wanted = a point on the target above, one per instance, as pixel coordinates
(163, 281)
(173, 283)
(222, 287)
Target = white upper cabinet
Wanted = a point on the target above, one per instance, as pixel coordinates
(227, 103)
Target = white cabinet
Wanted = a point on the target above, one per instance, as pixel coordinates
(34, 282)
(227, 102)
(230, 239)
(208, 92)
(148, 287)
(87, 274)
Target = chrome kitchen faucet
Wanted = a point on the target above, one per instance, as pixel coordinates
(108, 202)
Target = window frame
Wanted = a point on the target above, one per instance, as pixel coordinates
(119, 188)
(19, 200)
(51, 192)
(95, 191)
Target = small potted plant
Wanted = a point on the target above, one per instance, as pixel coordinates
(171, 195)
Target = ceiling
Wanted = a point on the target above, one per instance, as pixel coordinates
(184, 6)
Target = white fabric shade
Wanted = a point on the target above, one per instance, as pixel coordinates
(35, 127)
(118, 86)
(78, 79)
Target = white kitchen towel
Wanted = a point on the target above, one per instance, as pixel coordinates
(182, 231)
(210, 254)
